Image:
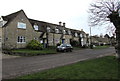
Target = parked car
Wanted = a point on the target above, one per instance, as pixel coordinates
(64, 48)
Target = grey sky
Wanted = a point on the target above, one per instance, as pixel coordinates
(72, 12)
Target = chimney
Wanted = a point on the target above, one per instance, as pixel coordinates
(63, 24)
(60, 23)
(81, 29)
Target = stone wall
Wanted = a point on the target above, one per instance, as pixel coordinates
(11, 32)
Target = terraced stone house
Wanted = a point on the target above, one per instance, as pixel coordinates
(17, 30)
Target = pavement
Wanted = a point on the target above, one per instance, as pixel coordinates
(17, 66)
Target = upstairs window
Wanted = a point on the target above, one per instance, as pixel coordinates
(21, 39)
(57, 30)
(48, 29)
(76, 34)
(69, 32)
(85, 35)
(21, 25)
(81, 35)
(36, 27)
(64, 32)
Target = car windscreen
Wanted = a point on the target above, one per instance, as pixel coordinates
(64, 45)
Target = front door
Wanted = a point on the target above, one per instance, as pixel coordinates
(63, 41)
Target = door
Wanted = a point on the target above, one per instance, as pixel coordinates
(63, 41)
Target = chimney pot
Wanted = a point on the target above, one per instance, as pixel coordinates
(60, 23)
(64, 24)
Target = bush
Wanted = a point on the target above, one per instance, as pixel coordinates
(84, 46)
(58, 44)
(74, 43)
(35, 45)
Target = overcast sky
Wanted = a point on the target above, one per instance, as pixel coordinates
(73, 12)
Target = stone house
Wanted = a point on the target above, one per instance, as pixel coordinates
(99, 40)
(0, 37)
(18, 30)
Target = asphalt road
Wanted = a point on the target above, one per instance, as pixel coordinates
(13, 67)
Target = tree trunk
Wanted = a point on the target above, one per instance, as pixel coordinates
(118, 43)
(115, 19)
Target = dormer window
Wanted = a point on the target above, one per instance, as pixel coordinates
(36, 27)
(48, 29)
(81, 35)
(64, 32)
(84, 35)
(57, 30)
(69, 32)
(21, 25)
(76, 34)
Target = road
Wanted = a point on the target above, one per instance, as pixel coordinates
(13, 67)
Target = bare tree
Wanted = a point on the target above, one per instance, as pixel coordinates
(103, 12)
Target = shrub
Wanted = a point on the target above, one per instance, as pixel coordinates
(58, 44)
(35, 45)
(74, 43)
(84, 46)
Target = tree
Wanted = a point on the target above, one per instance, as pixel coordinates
(104, 12)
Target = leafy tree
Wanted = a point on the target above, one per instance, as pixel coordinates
(103, 12)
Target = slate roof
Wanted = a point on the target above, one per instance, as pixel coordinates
(42, 27)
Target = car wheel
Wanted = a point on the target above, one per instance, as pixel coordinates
(70, 50)
(65, 50)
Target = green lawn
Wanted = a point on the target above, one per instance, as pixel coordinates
(101, 68)
(101, 47)
(44, 51)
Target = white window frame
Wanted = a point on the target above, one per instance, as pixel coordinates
(81, 35)
(69, 32)
(35, 27)
(57, 30)
(85, 35)
(76, 34)
(48, 29)
(64, 32)
(21, 25)
(21, 39)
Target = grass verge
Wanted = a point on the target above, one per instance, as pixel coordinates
(100, 68)
(28, 51)
(101, 47)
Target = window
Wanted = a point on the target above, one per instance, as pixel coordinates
(81, 35)
(48, 29)
(76, 34)
(64, 32)
(21, 39)
(84, 35)
(36, 27)
(21, 25)
(69, 32)
(57, 30)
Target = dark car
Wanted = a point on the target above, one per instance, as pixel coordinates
(64, 48)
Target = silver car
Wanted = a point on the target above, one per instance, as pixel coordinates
(64, 48)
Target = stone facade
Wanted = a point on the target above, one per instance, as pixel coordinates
(0, 37)
(11, 32)
(14, 37)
